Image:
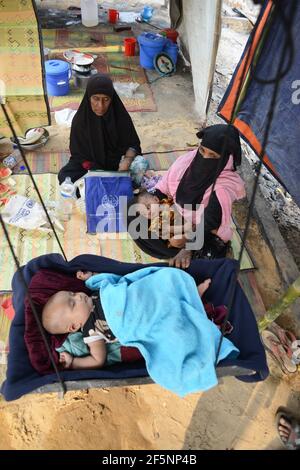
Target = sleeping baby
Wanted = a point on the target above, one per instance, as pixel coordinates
(69, 312)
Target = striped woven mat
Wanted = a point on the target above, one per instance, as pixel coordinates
(29, 244)
(110, 59)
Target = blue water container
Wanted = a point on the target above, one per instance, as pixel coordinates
(150, 45)
(58, 74)
(172, 50)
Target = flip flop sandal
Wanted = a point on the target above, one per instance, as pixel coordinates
(292, 442)
(277, 351)
(287, 338)
(296, 352)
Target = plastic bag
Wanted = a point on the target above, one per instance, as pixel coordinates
(126, 89)
(106, 196)
(26, 213)
(138, 168)
(64, 117)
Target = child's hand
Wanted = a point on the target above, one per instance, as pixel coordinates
(177, 242)
(66, 359)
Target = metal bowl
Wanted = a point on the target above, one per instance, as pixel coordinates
(79, 58)
(41, 142)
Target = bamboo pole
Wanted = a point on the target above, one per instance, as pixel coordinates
(292, 294)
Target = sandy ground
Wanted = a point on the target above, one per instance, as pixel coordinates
(233, 415)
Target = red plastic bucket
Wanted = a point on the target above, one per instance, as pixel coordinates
(171, 34)
(129, 45)
(113, 15)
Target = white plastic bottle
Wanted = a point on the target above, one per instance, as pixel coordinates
(65, 205)
(89, 13)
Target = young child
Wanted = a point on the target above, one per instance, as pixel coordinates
(68, 312)
(149, 204)
(164, 218)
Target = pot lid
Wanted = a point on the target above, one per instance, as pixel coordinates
(56, 67)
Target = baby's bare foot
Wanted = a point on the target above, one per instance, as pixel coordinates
(202, 288)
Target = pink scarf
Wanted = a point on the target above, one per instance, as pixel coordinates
(228, 188)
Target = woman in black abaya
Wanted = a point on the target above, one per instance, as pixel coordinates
(103, 136)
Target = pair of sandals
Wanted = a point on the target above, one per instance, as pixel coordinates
(283, 346)
(288, 428)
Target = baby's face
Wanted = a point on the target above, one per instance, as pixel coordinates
(76, 306)
(149, 206)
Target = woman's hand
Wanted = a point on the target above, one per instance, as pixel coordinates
(124, 164)
(127, 160)
(182, 259)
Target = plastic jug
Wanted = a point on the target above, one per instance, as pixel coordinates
(147, 13)
(89, 13)
(65, 205)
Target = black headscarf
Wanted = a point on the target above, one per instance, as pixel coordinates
(102, 140)
(202, 172)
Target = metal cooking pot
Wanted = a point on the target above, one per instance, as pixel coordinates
(85, 69)
(81, 79)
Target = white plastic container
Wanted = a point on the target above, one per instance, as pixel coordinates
(89, 13)
(65, 204)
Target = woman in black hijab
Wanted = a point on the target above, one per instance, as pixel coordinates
(102, 132)
(205, 168)
(189, 181)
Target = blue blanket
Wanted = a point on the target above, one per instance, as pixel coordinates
(159, 311)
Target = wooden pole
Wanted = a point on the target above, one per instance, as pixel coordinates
(292, 294)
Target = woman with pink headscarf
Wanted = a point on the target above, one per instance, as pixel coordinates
(189, 183)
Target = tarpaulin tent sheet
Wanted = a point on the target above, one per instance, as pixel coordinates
(282, 154)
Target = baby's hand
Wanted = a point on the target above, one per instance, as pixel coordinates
(66, 359)
(84, 275)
